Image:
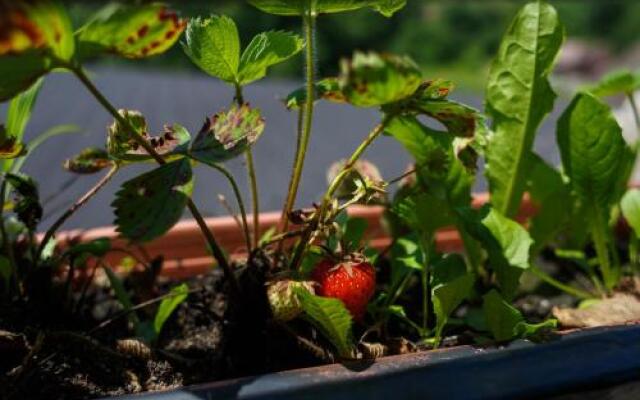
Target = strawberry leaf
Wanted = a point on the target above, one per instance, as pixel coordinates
(227, 134)
(213, 44)
(371, 79)
(265, 50)
(149, 205)
(89, 161)
(630, 206)
(325, 89)
(130, 31)
(459, 119)
(615, 83)
(330, 317)
(299, 7)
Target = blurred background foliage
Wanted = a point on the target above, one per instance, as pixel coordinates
(456, 38)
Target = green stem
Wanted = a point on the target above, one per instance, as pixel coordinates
(581, 294)
(427, 246)
(306, 121)
(75, 207)
(599, 236)
(218, 254)
(238, 196)
(335, 184)
(255, 200)
(6, 243)
(635, 110)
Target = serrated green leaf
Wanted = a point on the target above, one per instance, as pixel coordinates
(615, 83)
(594, 154)
(89, 161)
(519, 96)
(371, 79)
(300, 7)
(121, 145)
(265, 50)
(227, 134)
(630, 206)
(178, 296)
(451, 284)
(330, 317)
(149, 205)
(130, 31)
(325, 89)
(213, 44)
(507, 243)
(506, 323)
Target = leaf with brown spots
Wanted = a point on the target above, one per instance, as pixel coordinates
(227, 134)
(130, 31)
(326, 89)
(371, 79)
(459, 119)
(89, 161)
(149, 205)
(122, 147)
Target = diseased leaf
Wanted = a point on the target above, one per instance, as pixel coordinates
(10, 147)
(459, 119)
(507, 243)
(325, 89)
(330, 317)
(121, 145)
(27, 206)
(265, 50)
(371, 79)
(149, 205)
(299, 7)
(40, 25)
(437, 89)
(506, 323)
(178, 296)
(130, 31)
(630, 206)
(451, 284)
(89, 161)
(594, 154)
(213, 44)
(519, 96)
(227, 134)
(615, 83)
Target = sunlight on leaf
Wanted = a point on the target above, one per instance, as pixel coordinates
(616, 83)
(178, 295)
(630, 206)
(265, 50)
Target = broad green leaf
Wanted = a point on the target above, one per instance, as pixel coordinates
(27, 206)
(10, 146)
(178, 295)
(325, 89)
(149, 205)
(18, 72)
(330, 317)
(227, 134)
(130, 31)
(615, 83)
(507, 243)
(121, 145)
(547, 189)
(40, 25)
(301, 7)
(594, 154)
(451, 284)
(519, 96)
(265, 50)
(630, 206)
(213, 44)
(20, 108)
(89, 161)
(371, 79)
(506, 323)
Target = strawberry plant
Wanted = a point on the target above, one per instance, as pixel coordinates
(314, 280)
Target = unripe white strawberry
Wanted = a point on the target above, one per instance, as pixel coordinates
(284, 303)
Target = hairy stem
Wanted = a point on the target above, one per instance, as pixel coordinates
(335, 184)
(236, 192)
(218, 254)
(306, 121)
(255, 199)
(75, 207)
(581, 294)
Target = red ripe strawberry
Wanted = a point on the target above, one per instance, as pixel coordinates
(353, 282)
